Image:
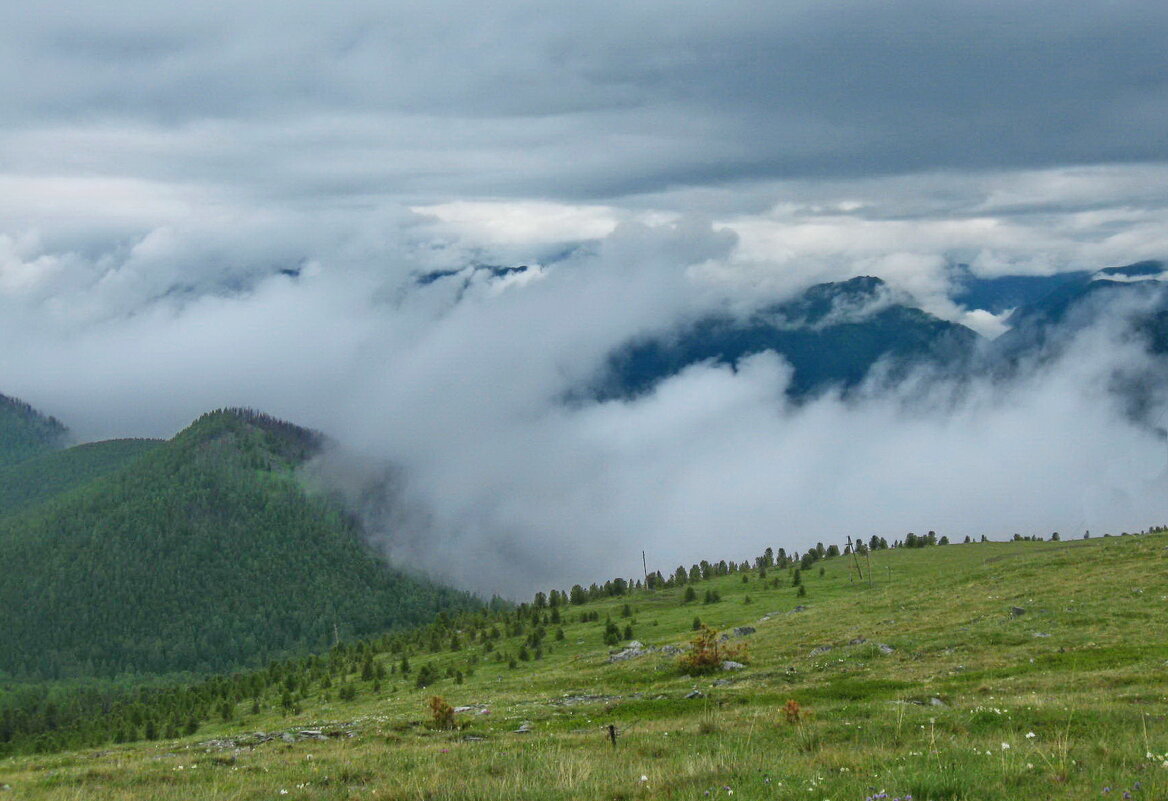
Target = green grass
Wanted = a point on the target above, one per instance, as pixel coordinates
(973, 702)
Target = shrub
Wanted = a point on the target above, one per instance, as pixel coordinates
(441, 713)
(792, 712)
(707, 654)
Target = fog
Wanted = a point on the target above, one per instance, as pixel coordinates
(204, 206)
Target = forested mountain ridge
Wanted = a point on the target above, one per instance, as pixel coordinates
(203, 554)
(832, 335)
(25, 432)
(43, 477)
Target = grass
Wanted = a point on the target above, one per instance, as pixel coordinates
(972, 702)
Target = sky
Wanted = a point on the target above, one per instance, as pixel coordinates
(228, 203)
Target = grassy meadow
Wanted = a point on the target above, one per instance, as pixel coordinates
(1017, 670)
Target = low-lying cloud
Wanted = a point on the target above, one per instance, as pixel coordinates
(455, 402)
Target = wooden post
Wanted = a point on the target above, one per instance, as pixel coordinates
(612, 734)
(855, 559)
(868, 556)
(645, 567)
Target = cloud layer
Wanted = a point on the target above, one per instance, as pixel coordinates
(215, 205)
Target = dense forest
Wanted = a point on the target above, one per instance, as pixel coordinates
(202, 554)
(25, 432)
(43, 477)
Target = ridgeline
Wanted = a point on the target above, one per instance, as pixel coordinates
(201, 554)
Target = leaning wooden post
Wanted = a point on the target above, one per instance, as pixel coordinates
(855, 559)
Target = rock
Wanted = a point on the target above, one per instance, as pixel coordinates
(935, 701)
(744, 631)
(800, 608)
(724, 637)
(635, 645)
(524, 728)
(572, 700)
(857, 641)
(695, 694)
(1040, 634)
(288, 737)
(722, 682)
(730, 664)
(1017, 611)
(671, 649)
(470, 738)
(885, 648)
(823, 649)
(634, 650)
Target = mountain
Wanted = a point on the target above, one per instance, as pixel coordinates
(40, 478)
(1129, 292)
(1007, 292)
(25, 432)
(203, 553)
(833, 335)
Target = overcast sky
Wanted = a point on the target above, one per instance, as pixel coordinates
(160, 164)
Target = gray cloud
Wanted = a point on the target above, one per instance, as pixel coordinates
(214, 204)
(583, 102)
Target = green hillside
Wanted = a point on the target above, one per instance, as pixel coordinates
(40, 478)
(203, 554)
(25, 432)
(1020, 670)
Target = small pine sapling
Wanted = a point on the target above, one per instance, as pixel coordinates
(707, 654)
(441, 713)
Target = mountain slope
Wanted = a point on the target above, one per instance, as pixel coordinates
(833, 335)
(25, 432)
(1022, 670)
(203, 554)
(40, 478)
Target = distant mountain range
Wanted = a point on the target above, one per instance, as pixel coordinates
(837, 335)
(204, 553)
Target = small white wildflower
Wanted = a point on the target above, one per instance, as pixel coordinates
(644, 778)
(1030, 735)
(1005, 746)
